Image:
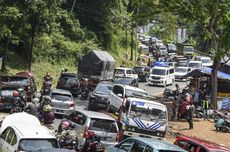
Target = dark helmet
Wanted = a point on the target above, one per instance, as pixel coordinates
(47, 99)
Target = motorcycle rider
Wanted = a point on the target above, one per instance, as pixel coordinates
(84, 86)
(18, 101)
(47, 84)
(32, 108)
(92, 144)
(44, 100)
(47, 116)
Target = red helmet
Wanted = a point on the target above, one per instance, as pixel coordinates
(15, 94)
(90, 134)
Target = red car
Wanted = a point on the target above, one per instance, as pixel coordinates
(193, 144)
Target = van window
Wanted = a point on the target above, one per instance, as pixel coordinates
(171, 71)
(103, 125)
(159, 71)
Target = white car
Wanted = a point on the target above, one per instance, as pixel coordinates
(163, 50)
(101, 124)
(195, 64)
(206, 61)
(125, 72)
(180, 72)
(22, 132)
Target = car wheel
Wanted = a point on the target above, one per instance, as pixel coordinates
(107, 107)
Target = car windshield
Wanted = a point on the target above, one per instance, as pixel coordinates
(7, 92)
(189, 49)
(103, 125)
(158, 71)
(146, 111)
(130, 92)
(37, 144)
(119, 71)
(123, 80)
(19, 80)
(61, 97)
(67, 80)
(206, 61)
(103, 87)
(181, 70)
(194, 65)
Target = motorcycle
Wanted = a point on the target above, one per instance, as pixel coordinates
(219, 114)
(223, 125)
(85, 93)
(170, 93)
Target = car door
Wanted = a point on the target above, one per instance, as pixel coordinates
(116, 96)
(8, 140)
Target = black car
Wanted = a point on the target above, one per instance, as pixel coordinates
(99, 97)
(69, 81)
(6, 95)
(142, 72)
(126, 81)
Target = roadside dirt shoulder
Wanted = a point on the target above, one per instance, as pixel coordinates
(202, 129)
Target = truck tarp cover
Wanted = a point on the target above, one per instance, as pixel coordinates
(98, 64)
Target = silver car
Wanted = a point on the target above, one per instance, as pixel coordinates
(62, 101)
(101, 124)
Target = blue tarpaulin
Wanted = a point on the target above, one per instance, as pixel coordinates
(207, 71)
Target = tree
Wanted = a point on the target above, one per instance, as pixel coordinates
(215, 15)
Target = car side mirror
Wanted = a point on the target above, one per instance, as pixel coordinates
(117, 146)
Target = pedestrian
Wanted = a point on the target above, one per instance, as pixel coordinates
(197, 97)
(174, 108)
(205, 105)
(190, 109)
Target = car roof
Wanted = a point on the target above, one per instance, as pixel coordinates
(121, 68)
(162, 67)
(182, 67)
(69, 74)
(148, 101)
(204, 143)
(192, 61)
(20, 118)
(61, 91)
(34, 132)
(93, 114)
(158, 144)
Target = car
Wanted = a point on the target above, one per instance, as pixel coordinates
(206, 61)
(195, 64)
(163, 50)
(144, 49)
(162, 75)
(23, 132)
(101, 124)
(6, 95)
(142, 72)
(69, 81)
(126, 81)
(199, 145)
(125, 72)
(139, 144)
(180, 72)
(99, 97)
(62, 101)
(182, 63)
(53, 150)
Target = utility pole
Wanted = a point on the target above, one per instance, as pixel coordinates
(74, 2)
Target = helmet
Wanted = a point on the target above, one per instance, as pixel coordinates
(47, 99)
(90, 134)
(65, 124)
(47, 108)
(15, 94)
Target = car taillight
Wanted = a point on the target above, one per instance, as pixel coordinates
(71, 104)
(85, 132)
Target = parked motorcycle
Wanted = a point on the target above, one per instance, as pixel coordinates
(223, 125)
(170, 93)
(219, 114)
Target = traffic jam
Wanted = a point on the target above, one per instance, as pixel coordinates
(117, 114)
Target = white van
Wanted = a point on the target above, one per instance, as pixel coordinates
(162, 75)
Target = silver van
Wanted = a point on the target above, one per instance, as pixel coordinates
(101, 124)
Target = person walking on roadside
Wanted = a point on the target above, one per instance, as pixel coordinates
(174, 108)
(190, 109)
(205, 105)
